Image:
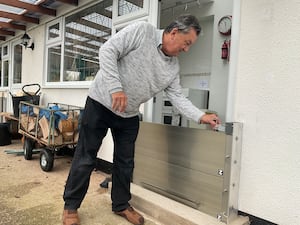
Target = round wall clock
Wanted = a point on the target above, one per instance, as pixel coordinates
(224, 25)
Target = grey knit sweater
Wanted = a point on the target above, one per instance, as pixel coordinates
(132, 61)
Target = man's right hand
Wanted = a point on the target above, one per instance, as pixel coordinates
(119, 101)
(211, 119)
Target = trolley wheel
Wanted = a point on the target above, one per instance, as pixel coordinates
(46, 160)
(28, 147)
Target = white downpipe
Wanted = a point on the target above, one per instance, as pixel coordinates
(233, 61)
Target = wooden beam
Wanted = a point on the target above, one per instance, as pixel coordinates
(85, 35)
(7, 32)
(83, 43)
(84, 52)
(2, 38)
(106, 13)
(77, 16)
(12, 26)
(29, 7)
(71, 2)
(138, 3)
(17, 17)
(94, 25)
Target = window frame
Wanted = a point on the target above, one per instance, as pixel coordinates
(61, 41)
(52, 83)
(130, 16)
(117, 22)
(8, 50)
(60, 34)
(11, 78)
(5, 58)
(52, 43)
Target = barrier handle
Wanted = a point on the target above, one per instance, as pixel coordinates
(28, 85)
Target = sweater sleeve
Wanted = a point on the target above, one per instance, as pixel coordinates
(181, 103)
(118, 46)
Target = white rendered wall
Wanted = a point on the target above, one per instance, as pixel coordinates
(268, 103)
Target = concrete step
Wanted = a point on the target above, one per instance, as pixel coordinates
(170, 212)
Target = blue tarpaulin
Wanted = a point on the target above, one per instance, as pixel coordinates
(47, 113)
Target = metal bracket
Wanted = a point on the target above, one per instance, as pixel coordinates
(229, 128)
(222, 216)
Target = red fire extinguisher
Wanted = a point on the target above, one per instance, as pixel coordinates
(225, 50)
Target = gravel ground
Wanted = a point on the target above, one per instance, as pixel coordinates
(30, 196)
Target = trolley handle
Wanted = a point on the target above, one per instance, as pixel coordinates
(28, 85)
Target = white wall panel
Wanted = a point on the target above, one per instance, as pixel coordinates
(268, 103)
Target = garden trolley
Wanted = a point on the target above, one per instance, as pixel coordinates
(48, 129)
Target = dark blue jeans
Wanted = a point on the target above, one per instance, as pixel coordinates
(95, 122)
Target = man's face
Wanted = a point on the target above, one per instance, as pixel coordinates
(179, 42)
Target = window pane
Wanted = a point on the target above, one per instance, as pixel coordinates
(126, 7)
(5, 50)
(54, 61)
(53, 31)
(85, 32)
(5, 73)
(17, 64)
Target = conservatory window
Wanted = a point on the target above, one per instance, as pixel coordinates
(85, 32)
(74, 57)
(127, 7)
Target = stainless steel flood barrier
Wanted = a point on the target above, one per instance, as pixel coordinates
(197, 167)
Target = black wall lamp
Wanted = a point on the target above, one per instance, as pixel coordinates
(25, 41)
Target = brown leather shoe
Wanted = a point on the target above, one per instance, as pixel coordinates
(132, 216)
(70, 217)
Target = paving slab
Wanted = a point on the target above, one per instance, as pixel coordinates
(30, 196)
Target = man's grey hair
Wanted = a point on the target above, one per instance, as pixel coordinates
(184, 23)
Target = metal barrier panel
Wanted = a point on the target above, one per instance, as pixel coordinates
(197, 167)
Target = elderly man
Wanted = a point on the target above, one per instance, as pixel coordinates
(135, 64)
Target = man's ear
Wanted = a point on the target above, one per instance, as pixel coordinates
(173, 32)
